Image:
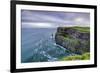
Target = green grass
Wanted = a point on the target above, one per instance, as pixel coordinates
(85, 56)
(82, 29)
(78, 28)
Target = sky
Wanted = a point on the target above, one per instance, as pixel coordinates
(34, 18)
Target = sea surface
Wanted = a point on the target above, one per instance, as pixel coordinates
(38, 45)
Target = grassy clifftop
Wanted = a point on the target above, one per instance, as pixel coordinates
(82, 29)
(77, 28)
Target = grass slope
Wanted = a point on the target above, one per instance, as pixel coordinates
(85, 56)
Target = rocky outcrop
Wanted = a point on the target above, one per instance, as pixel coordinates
(76, 39)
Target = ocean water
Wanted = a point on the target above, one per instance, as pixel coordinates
(38, 45)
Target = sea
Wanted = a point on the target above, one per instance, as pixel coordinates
(38, 45)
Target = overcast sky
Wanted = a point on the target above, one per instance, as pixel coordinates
(33, 18)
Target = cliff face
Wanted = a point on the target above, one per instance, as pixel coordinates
(76, 39)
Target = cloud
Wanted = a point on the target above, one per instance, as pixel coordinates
(51, 18)
(38, 25)
(80, 20)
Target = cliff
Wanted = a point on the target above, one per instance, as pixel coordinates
(76, 39)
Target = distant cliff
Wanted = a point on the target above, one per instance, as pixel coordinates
(76, 39)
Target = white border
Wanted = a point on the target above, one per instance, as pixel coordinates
(20, 65)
